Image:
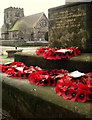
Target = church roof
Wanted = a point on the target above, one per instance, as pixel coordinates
(29, 21)
(3, 29)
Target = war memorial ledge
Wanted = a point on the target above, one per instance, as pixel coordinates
(25, 100)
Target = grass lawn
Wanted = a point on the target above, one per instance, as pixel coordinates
(4, 59)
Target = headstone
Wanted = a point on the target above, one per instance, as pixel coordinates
(71, 25)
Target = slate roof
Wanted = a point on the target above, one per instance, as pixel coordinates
(29, 21)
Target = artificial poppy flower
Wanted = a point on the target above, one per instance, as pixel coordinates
(82, 95)
(0, 67)
(89, 96)
(58, 91)
(69, 94)
(43, 72)
(89, 74)
(22, 75)
(34, 78)
(41, 77)
(12, 72)
(49, 54)
(3, 68)
(42, 50)
(74, 94)
(82, 86)
(65, 85)
(58, 88)
(60, 84)
(75, 50)
(89, 82)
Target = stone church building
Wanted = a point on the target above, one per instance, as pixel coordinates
(29, 28)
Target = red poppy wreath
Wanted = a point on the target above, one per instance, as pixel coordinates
(75, 86)
(57, 53)
(17, 69)
(46, 77)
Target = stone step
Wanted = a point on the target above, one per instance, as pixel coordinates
(25, 100)
(82, 62)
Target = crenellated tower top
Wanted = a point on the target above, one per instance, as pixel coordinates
(11, 15)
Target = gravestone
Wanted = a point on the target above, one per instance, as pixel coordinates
(71, 25)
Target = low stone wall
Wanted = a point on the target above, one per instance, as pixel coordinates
(82, 62)
(12, 42)
(22, 43)
(36, 43)
(24, 100)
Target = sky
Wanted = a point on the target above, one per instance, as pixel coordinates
(30, 6)
(78, 0)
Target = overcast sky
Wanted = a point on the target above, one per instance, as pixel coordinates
(78, 0)
(30, 6)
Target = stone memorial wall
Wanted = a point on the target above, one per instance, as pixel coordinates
(71, 25)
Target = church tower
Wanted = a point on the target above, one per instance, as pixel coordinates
(11, 15)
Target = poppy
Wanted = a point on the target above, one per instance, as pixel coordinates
(74, 95)
(89, 82)
(57, 74)
(34, 78)
(89, 96)
(3, 68)
(82, 86)
(89, 75)
(50, 54)
(70, 94)
(58, 91)
(12, 72)
(22, 75)
(40, 78)
(82, 95)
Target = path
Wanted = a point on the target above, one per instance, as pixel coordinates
(25, 49)
(3, 53)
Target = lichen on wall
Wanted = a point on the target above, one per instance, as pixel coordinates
(68, 26)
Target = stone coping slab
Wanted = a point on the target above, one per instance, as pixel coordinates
(82, 62)
(12, 52)
(25, 100)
